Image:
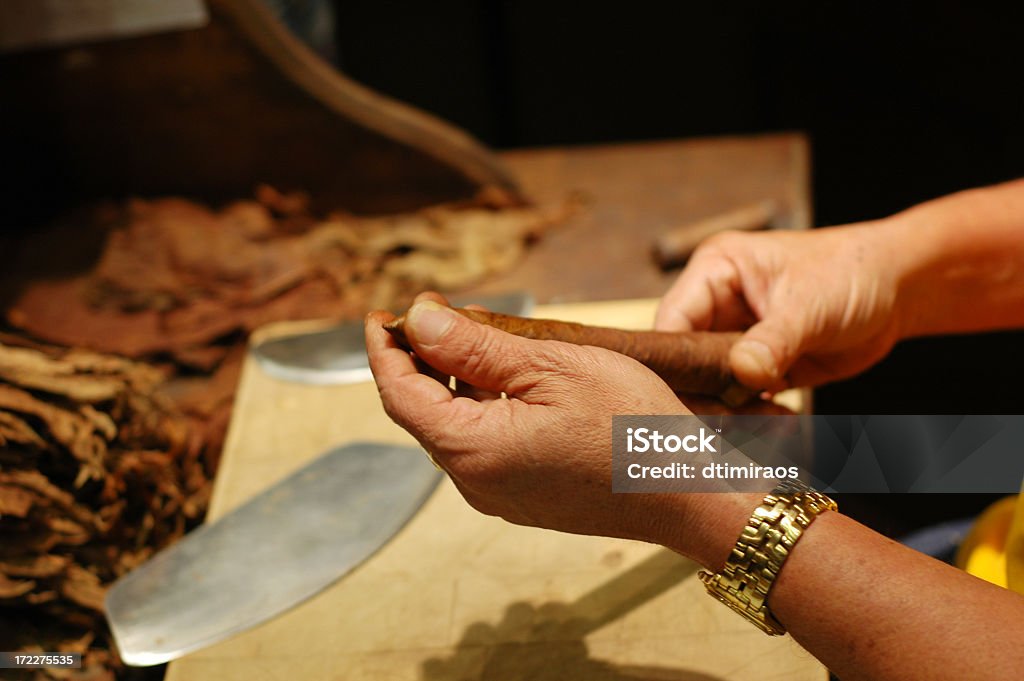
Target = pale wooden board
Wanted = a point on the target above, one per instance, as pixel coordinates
(459, 596)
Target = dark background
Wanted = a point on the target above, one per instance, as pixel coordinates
(902, 102)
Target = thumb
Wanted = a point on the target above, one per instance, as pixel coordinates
(475, 353)
(763, 355)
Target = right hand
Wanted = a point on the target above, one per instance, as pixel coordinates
(816, 306)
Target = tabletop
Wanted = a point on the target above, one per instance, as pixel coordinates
(460, 596)
(632, 192)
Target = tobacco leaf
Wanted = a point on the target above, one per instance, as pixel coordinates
(15, 501)
(101, 422)
(49, 495)
(31, 360)
(174, 276)
(86, 389)
(67, 428)
(44, 565)
(13, 588)
(17, 431)
(55, 311)
(88, 489)
(83, 587)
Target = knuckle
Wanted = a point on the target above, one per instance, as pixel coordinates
(424, 423)
(717, 242)
(724, 243)
(481, 351)
(563, 359)
(475, 358)
(549, 362)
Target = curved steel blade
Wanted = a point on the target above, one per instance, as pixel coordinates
(278, 549)
(337, 355)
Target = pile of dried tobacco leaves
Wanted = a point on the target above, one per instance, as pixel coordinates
(179, 280)
(106, 458)
(97, 471)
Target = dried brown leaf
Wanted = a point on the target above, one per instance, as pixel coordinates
(88, 389)
(15, 430)
(15, 501)
(83, 587)
(13, 588)
(76, 518)
(67, 428)
(45, 565)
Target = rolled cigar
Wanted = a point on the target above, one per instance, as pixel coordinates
(689, 362)
(676, 245)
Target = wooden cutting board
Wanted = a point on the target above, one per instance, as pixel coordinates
(459, 596)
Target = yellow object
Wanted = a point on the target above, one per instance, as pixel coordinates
(1015, 549)
(984, 552)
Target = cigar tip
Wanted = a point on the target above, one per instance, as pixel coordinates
(396, 327)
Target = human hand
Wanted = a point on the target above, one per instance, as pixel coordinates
(541, 457)
(817, 306)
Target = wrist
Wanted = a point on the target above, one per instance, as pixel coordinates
(903, 263)
(762, 550)
(705, 526)
(881, 273)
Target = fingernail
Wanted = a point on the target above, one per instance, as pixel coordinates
(429, 322)
(757, 358)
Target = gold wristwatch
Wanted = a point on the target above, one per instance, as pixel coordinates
(772, 531)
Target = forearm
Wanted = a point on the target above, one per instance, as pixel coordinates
(960, 261)
(869, 608)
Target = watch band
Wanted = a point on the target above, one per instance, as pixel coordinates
(762, 548)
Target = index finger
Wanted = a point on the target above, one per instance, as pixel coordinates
(707, 296)
(689, 304)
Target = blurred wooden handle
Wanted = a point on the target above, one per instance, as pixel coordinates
(676, 245)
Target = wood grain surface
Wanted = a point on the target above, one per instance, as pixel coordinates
(459, 596)
(634, 192)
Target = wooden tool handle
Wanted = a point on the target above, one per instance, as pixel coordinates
(676, 245)
(690, 362)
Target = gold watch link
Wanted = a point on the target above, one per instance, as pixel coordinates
(762, 548)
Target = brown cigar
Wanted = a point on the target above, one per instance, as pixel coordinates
(689, 362)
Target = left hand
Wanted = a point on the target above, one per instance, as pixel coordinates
(542, 457)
